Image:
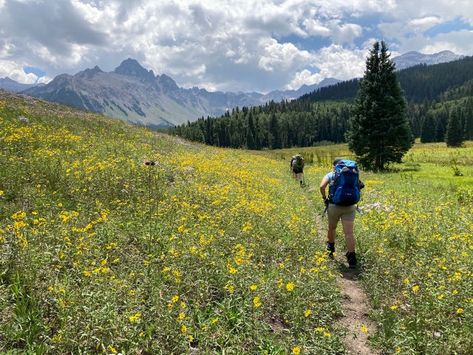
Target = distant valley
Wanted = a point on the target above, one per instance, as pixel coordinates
(135, 94)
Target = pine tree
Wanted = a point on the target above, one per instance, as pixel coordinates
(250, 132)
(454, 135)
(379, 132)
(428, 129)
(274, 133)
(441, 124)
(469, 119)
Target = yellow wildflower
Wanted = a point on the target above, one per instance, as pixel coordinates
(135, 317)
(230, 288)
(290, 286)
(18, 216)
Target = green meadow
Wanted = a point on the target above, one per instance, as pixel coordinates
(216, 250)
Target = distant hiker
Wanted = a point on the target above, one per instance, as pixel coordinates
(23, 119)
(297, 168)
(344, 193)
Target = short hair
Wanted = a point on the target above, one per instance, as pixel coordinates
(336, 161)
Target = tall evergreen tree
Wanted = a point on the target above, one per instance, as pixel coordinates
(441, 124)
(454, 135)
(380, 132)
(274, 133)
(250, 132)
(469, 119)
(428, 129)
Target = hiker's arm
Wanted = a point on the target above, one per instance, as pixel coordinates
(323, 187)
(360, 184)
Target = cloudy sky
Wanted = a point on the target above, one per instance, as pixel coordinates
(229, 45)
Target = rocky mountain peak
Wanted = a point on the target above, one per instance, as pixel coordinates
(89, 73)
(167, 82)
(131, 67)
(412, 58)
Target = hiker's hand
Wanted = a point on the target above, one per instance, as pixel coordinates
(326, 202)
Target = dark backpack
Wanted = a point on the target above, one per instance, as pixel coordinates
(345, 187)
(298, 162)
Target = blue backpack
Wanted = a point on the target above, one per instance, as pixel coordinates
(345, 188)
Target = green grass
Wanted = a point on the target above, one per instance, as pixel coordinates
(216, 249)
(415, 240)
(210, 248)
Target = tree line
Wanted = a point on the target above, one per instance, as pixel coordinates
(440, 108)
(269, 126)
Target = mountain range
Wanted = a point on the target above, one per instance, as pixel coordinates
(410, 59)
(14, 86)
(137, 95)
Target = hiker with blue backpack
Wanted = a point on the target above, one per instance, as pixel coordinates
(341, 204)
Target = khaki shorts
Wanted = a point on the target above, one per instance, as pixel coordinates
(345, 213)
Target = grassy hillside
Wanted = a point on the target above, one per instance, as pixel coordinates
(216, 250)
(209, 249)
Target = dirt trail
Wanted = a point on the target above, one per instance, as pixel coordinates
(355, 314)
(355, 305)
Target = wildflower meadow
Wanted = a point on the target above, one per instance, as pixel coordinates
(207, 249)
(117, 239)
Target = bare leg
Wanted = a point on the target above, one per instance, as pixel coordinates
(349, 236)
(331, 233)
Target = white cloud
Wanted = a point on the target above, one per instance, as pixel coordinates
(91, 13)
(356, 8)
(315, 28)
(281, 56)
(394, 30)
(332, 62)
(15, 71)
(44, 80)
(446, 9)
(304, 77)
(459, 42)
(223, 44)
(341, 63)
(345, 33)
(424, 23)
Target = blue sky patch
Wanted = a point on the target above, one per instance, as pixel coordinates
(36, 71)
(308, 43)
(451, 26)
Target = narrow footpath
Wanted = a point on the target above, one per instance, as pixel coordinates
(355, 304)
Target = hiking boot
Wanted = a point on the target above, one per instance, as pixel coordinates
(330, 249)
(351, 258)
